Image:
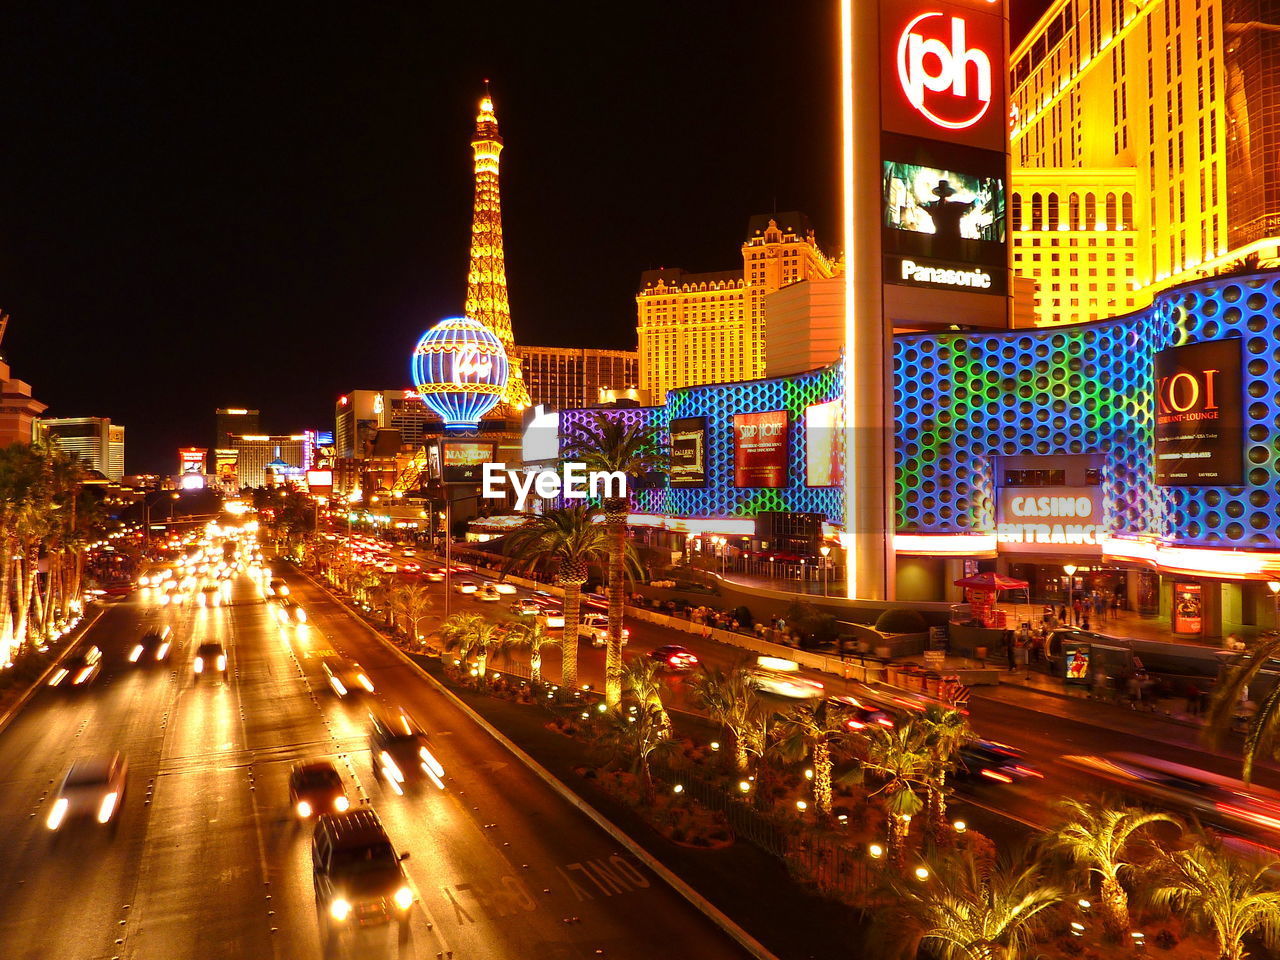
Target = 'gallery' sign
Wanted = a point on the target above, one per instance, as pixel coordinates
(1199, 433)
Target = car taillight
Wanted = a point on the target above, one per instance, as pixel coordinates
(1028, 772)
(997, 776)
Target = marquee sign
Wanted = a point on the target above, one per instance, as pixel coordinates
(940, 66)
(1050, 520)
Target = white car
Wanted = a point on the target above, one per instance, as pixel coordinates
(503, 587)
(595, 626)
(465, 586)
(434, 575)
(91, 788)
(487, 594)
(782, 679)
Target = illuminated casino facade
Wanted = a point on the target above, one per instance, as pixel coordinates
(1145, 448)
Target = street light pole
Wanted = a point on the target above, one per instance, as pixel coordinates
(1070, 570)
(1274, 587)
(824, 550)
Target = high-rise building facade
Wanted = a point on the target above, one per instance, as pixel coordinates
(18, 409)
(98, 442)
(563, 378)
(709, 327)
(256, 452)
(234, 422)
(1144, 144)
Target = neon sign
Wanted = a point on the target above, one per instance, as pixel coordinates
(928, 66)
(460, 371)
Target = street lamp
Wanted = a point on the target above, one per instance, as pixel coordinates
(824, 550)
(1274, 587)
(1070, 570)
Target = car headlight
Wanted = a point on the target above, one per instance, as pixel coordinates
(199, 665)
(338, 686)
(342, 804)
(340, 909)
(303, 808)
(222, 662)
(107, 807)
(59, 811)
(404, 898)
(135, 653)
(365, 682)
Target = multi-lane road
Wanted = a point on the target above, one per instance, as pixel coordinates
(207, 859)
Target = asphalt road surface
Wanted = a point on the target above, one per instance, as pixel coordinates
(1044, 729)
(206, 860)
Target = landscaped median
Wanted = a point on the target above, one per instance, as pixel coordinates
(32, 667)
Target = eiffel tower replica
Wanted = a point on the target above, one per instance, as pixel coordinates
(487, 276)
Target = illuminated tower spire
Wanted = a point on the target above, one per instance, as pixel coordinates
(487, 276)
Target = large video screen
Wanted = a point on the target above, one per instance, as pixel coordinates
(1199, 428)
(688, 452)
(464, 460)
(945, 204)
(824, 444)
(760, 449)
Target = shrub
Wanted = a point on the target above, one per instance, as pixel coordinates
(901, 620)
(1166, 939)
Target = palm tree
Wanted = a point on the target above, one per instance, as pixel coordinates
(563, 541)
(413, 602)
(809, 730)
(966, 910)
(733, 700)
(1096, 836)
(473, 637)
(1230, 894)
(535, 637)
(640, 736)
(946, 730)
(611, 445)
(1264, 725)
(642, 679)
(20, 477)
(902, 757)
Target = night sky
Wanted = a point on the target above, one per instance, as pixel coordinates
(264, 205)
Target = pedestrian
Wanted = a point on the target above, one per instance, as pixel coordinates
(1193, 700)
(1075, 610)
(1008, 649)
(1099, 687)
(1062, 617)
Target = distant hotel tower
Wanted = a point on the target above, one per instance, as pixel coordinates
(710, 327)
(1144, 141)
(487, 276)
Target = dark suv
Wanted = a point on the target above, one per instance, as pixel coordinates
(400, 751)
(357, 875)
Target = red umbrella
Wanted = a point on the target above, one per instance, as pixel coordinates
(992, 581)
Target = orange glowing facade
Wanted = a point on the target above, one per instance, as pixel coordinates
(1143, 149)
(697, 328)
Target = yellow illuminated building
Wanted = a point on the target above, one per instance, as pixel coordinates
(709, 327)
(1143, 148)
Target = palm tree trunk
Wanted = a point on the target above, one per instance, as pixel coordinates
(26, 583)
(6, 584)
(741, 759)
(569, 642)
(899, 828)
(1115, 905)
(535, 666)
(617, 522)
(822, 777)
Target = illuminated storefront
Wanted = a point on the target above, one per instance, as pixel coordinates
(1143, 444)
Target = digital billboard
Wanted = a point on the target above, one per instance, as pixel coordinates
(688, 452)
(463, 459)
(943, 203)
(760, 449)
(1199, 434)
(824, 444)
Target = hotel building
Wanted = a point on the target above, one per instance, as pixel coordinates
(564, 377)
(1143, 145)
(98, 442)
(709, 327)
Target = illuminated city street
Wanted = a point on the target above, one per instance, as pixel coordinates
(774, 481)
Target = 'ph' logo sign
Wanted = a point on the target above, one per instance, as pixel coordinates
(936, 77)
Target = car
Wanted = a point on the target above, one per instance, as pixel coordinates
(91, 788)
(209, 595)
(315, 788)
(153, 647)
(357, 875)
(526, 607)
(434, 575)
(487, 594)
(211, 657)
(997, 762)
(79, 669)
(401, 751)
(502, 586)
(551, 617)
(289, 613)
(596, 627)
(409, 552)
(345, 677)
(386, 566)
(410, 567)
(276, 587)
(860, 714)
(673, 657)
(782, 679)
(465, 586)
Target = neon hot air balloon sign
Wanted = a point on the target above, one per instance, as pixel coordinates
(460, 371)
